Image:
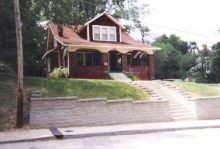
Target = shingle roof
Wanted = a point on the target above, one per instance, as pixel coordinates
(71, 37)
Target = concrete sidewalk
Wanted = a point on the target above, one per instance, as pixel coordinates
(78, 132)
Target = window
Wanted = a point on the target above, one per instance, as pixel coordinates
(88, 58)
(104, 33)
(96, 33)
(112, 34)
(79, 59)
(137, 59)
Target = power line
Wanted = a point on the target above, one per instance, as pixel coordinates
(179, 30)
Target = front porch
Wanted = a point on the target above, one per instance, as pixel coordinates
(91, 63)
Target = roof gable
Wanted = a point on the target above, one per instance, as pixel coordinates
(100, 15)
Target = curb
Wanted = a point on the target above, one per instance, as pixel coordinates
(111, 133)
(129, 132)
(28, 140)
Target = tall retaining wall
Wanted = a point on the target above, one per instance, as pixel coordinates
(207, 108)
(70, 111)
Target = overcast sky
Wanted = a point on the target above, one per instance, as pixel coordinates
(192, 20)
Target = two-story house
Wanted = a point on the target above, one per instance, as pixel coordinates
(96, 48)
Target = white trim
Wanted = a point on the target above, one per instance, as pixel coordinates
(120, 39)
(68, 62)
(109, 62)
(54, 42)
(48, 65)
(88, 33)
(108, 32)
(48, 51)
(48, 35)
(109, 16)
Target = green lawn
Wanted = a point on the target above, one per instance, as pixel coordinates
(83, 88)
(198, 89)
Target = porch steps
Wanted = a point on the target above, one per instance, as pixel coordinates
(118, 76)
(160, 90)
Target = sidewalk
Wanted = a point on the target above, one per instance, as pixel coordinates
(123, 129)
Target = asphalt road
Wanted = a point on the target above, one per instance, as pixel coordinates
(187, 139)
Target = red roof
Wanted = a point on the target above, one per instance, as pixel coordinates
(70, 37)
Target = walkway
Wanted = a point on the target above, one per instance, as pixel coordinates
(118, 76)
(180, 108)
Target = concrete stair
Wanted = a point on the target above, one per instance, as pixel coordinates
(160, 90)
(118, 76)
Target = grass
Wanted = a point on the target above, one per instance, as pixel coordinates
(83, 88)
(198, 89)
(7, 101)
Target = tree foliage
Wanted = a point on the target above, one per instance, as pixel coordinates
(214, 75)
(32, 36)
(202, 68)
(173, 60)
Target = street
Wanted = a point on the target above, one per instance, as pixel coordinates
(197, 138)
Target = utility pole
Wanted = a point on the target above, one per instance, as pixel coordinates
(20, 92)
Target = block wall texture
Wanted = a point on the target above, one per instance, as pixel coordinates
(207, 108)
(70, 111)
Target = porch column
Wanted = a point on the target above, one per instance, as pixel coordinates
(151, 67)
(60, 55)
(124, 62)
(105, 64)
(71, 63)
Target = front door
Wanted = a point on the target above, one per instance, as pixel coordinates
(115, 61)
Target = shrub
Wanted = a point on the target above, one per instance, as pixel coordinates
(59, 73)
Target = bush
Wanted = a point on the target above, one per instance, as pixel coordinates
(5, 68)
(59, 73)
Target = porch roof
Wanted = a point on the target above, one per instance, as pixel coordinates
(73, 40)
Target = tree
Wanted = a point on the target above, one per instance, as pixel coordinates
(132, 15)
(144, 30)
(170, 62)
(73, 12)
(202, 68)
(178, 43)
(20, 87)
(192, 47)
(187, 61)
(33, 37)
(215, 64)
(166, 61)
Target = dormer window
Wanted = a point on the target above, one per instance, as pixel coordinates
(104, 33)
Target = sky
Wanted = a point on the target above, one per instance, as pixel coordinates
(192, 20)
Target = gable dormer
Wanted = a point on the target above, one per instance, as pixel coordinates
(103, 28)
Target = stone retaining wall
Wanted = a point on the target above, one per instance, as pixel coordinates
(207, 108)
(70, 111)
